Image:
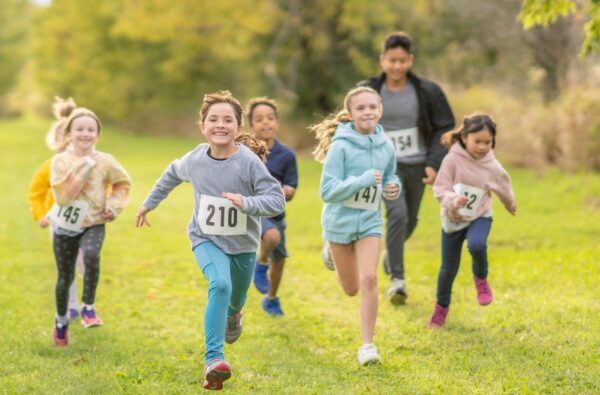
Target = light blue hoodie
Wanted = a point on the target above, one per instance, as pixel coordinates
(348, 168)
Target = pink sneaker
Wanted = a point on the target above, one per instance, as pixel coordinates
(89, 319)
(215, 372)
(484, 292)
(438, 318)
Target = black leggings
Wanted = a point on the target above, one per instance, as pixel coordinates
(65, 254)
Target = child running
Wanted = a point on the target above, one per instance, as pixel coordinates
(232, 189)
(359, 159)
(281, 162)
(467, 176)
(79, 178)
(40, 197)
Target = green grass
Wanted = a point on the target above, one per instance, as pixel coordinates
(541, 334)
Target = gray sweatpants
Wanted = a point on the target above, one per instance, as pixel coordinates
(402, 215)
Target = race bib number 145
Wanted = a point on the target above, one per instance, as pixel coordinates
(218, 216)
(70, 217)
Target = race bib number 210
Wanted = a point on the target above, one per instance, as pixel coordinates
(219, 216)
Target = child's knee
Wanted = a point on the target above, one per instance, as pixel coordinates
(272, 237)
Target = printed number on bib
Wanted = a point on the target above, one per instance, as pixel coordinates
(218, 216)
(366, 199)
(475, 195)
(70, 217)
(405, 141)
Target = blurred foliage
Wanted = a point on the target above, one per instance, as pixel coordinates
(544, 12)
(146, 64)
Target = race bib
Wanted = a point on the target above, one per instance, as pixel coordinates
(365, 199)
(475, 195)
(218, 216)
(405, 141)
(69, 217)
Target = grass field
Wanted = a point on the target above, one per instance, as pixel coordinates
(541, 334)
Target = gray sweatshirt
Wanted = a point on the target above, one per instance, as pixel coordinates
(242, 173)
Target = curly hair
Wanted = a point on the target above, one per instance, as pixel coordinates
(61, 109)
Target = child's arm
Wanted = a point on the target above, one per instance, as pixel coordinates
(503, 189)
(174, 174)
(290, 178)
(442, 187)
(269, 199)
(119, 192)
(391, 182)
(38, 190)
(333, 189)
(67, 181)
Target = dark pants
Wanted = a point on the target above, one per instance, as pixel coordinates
(402, 215)
(65, 254)
(476, 234)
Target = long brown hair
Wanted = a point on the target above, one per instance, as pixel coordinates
(473, 123)
(61, 108)
(325, 130)
(257, 146)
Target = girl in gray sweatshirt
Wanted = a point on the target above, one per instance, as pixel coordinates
(232, 189)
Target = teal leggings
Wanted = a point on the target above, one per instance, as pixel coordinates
(229, 277)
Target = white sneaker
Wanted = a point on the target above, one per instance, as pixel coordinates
(397, 292)
(326, 255)
(368, 355)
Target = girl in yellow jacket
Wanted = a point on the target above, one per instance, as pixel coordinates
(40, 197)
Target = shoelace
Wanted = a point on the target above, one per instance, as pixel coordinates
(89, 313)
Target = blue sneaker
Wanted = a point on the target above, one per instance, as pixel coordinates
(73, 314)
(60, 335)
(272, 306)
(261, 282)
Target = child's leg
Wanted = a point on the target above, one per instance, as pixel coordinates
(242, 267)
(215, 265)
(90, 245)
(451, 249)
(344, 258)
(269, 240)
(477, 235)
(65, 253)
(367, 256)
(275, 274)
(73, 299)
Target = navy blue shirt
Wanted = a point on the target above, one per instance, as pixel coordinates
(281, 163)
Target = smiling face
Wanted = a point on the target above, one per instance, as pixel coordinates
(478, 144)
(396, 62)
(264, 122)
(220, 127)
(365, 111)
(84, 133)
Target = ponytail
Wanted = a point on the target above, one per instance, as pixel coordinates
(324, 132)
(61, 109)
(473, 123)
(257, 146)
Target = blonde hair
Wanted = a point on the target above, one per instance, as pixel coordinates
(473, 123)
(61, 109)
(257, 146)
(258, 101)
(325, 130)
(66, 129)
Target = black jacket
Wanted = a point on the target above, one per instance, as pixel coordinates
(435, 116)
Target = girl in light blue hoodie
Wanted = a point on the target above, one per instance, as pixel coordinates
(359, 169)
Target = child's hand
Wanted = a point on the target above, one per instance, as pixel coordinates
(377, 175)
(43, 222)
(108, 215)
(430, 174)
(235, 198)
(390, 192)
(140, 217)
(461, 201)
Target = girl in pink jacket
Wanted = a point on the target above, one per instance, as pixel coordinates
(467, 176)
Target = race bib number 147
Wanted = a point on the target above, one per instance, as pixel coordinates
(367, 198)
